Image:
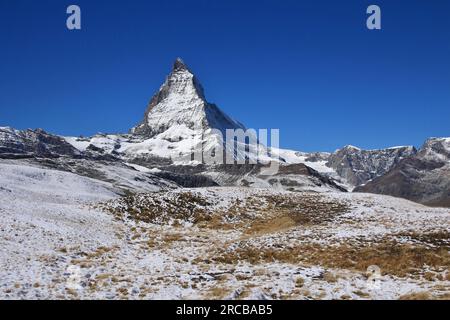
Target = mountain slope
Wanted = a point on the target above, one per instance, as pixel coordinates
(424, 177)
(68, 237)
(33, 143)
(359, 166)
(349, 166)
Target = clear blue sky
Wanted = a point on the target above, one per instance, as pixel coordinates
(309, 68)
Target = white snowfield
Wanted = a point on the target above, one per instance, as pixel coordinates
(293, 157)
(42, 211)
(176, 143)
(58, 242)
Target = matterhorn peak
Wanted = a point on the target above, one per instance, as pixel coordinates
(180, 102)
(179, 65)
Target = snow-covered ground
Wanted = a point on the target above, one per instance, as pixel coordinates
(64, 236)
(42, 212)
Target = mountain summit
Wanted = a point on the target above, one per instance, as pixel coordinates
(181, 103)
(179, 65)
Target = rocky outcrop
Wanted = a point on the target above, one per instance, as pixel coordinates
(303, 170)
(359, 166)
(33, 143)
(187, 180)
(424, 177)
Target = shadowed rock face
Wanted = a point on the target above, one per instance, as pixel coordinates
(18, 144)
(423, 178)
(359, 166)
(33, 143)
(187, 180)
(301, 169)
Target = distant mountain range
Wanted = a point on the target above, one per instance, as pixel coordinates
(158, 151)
(422, 177)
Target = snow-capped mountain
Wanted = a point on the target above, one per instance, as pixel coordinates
(179, 122)
(180, 105)
(359, 166)
(179, 127)
(423, 177)
(350, 166)
(436, 150)
(31, 143)
(37, 148)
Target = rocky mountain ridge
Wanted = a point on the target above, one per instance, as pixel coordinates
(359, 166)
(179, 120)
(423, 177)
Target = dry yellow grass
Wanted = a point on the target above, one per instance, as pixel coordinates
(103, 276)
(330, 277)
(173, 237)
(393, 258)
(437, 238)
(275, 212)
(218, 292)
(299, 282)
(362, 294)
(416, 296)
(271, 226)
(99, 252)
(445, 296)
